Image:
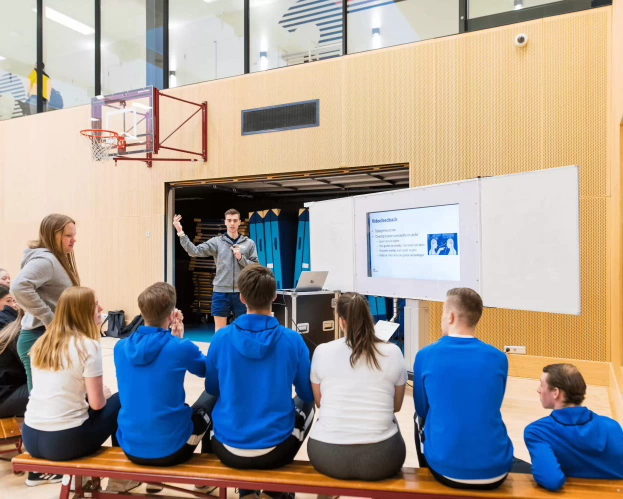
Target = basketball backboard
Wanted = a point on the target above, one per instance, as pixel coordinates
(131, 115)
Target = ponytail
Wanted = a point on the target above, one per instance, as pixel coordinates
(360, 335)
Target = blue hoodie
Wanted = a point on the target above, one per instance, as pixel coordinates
(251, 366)
(574, 442)
(151, 364)
(458, 387)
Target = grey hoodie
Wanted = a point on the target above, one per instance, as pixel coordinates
(227, 267)
(38, 287)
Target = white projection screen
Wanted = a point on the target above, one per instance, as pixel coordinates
(397, 227)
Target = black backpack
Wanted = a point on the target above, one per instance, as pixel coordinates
(132, 327)
(116, 323)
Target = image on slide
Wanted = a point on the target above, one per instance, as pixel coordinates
(443, 244)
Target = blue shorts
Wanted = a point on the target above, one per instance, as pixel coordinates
(224, 303)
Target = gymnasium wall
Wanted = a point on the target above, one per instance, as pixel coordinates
(453, 108)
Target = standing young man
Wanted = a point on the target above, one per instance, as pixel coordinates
(232, 253)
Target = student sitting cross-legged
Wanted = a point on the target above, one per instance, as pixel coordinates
(359, 383)
(572, 441)
(156, 427)
(251, 367)
(458, 387)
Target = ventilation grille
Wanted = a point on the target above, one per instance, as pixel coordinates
(278, 118)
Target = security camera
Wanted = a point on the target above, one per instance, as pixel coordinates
(521, 40)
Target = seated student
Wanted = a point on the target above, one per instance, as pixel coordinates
(5, 278)
(156, 427)
(458, 388)
(13, 381)
(8, 306)
(251, 367)
(60, 424)
(572, 441)
(360, 382)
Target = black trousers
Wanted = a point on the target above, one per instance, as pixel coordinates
(519, 466)
(14, 406)
(202, 425)
(282, 454)
(66, 445)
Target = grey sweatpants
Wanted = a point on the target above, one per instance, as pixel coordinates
(369, 462)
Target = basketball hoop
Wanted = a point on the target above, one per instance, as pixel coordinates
(102, 142)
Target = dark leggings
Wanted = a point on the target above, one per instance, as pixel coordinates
(519, 466)
(369, 462)
(14, 406)
(202, 425)
(66, 445)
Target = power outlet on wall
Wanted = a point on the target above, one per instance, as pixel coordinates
(516, 350)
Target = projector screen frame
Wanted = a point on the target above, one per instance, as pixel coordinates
(466, 194)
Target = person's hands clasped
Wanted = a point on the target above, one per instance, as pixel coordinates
(177, 224)
(237, 253)
(177, 327)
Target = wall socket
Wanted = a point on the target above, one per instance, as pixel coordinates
(516, 350)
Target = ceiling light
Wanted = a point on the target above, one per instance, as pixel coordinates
(518, 4)
(141, 106)
(2, 58)
(68, 22)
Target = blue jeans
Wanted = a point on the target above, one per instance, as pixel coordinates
(225, 303)
(66, 445)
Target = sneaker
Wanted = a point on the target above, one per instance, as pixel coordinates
(35, 479)
(115, 485)
(205, 489)
(153, 488)
(249, 494)
(277, 495)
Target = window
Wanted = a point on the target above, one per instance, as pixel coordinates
(206, 41)
(68, 53)
(481, 8)
(284, 33)
(124, 45)
(379, 24)
(18, 58)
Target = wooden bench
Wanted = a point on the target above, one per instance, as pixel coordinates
(300, 476)
(10, 435)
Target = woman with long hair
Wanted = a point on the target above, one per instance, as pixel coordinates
(48, 269)
(70, 413)
(13, 387)
(359, 383)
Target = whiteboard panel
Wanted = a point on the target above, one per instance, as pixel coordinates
(463, 194)
(530, 226)
(332, 242)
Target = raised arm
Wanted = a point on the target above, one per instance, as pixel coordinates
(209, 248)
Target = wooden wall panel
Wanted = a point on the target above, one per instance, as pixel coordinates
(453, 108)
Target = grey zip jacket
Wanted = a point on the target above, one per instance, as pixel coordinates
(38, 287)
(228, 268)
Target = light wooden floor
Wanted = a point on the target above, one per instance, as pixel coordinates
(521, 407)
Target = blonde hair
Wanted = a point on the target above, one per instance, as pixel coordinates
(10, 332)
(74, 319)
(50, 226)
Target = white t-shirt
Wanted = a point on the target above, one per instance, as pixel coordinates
(357, 405)
(58, 398)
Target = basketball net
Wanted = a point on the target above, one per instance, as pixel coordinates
(102, 143)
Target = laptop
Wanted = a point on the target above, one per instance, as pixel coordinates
(311, 281)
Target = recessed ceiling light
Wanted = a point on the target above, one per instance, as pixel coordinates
(2, 58)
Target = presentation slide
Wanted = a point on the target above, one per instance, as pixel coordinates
(417, 243)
